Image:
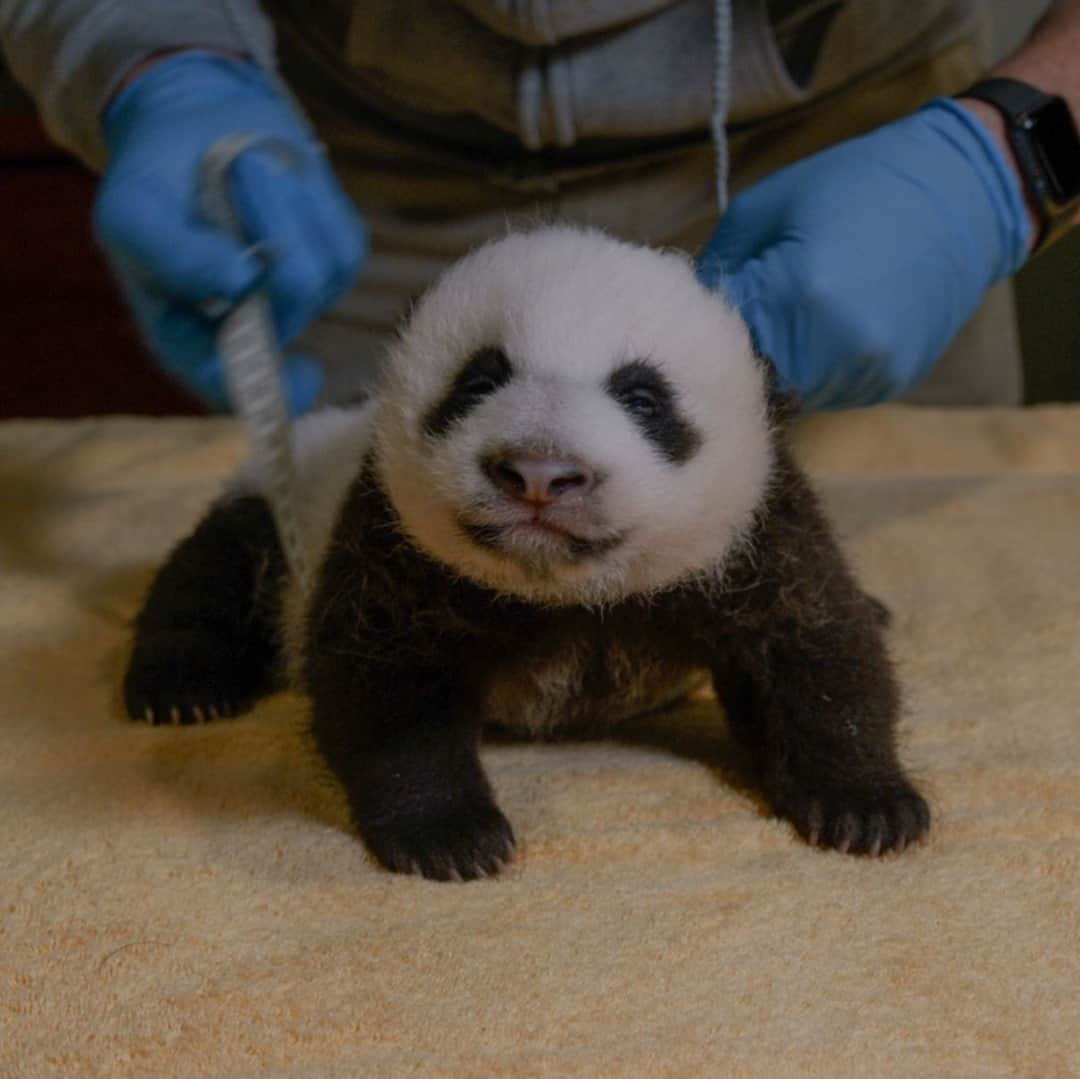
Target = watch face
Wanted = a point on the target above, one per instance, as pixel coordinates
(1055, 141)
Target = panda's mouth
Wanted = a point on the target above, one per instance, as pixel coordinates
(537, 536)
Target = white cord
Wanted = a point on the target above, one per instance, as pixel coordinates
(251, 356)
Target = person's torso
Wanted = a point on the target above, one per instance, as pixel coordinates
(555, 73)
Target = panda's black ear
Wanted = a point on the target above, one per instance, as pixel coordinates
(784, 405)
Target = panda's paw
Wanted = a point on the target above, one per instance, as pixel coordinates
(461, 842)
(187, 676)
(869, 819)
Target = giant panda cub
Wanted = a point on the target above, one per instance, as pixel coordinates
(569, 499)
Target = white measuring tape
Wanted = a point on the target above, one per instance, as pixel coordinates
(252, 359)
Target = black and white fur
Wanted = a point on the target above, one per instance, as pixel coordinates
(570, 498)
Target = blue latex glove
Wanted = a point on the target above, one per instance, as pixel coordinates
(856, 267)
(169, 262)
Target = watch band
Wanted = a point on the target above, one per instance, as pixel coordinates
(1045, 143)
(1011, 96)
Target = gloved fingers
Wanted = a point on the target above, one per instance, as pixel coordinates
(818, 347)
(757, 290)
(185, 345)
(180, 340)
(276, 205)
(302, 381)
(848, 381)
(144, 229)
(713, 265)
(342, 229)
(854, 382)
(749, 226)
(873, 384)
(743, 284)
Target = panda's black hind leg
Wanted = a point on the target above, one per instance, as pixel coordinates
(206, 640)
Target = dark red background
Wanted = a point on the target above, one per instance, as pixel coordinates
(68, 346)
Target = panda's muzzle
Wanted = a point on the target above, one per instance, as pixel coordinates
(538, 506)
(509, 538)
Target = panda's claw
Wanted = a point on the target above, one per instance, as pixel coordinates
(868, 819)
(469, 843)
(184, 677)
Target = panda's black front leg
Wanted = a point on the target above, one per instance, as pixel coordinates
(403, 740)
(817, 706)
(206, 640)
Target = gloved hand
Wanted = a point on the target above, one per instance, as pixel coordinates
(856, 267)
(169, 262)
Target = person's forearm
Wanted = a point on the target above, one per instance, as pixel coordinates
(1047, 60)
(72, 54)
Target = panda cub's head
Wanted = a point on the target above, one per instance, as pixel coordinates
(571, 419)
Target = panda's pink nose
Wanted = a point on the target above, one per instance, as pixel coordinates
(537, 479)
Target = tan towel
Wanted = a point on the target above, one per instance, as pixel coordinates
(190, 901)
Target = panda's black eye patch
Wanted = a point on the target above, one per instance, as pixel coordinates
(651, 403)
(487, 370)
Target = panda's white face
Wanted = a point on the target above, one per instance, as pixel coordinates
(571, 419)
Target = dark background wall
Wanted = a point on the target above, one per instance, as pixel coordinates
(1048, 289)
(67, 346)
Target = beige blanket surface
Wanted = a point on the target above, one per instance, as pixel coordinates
(191, 901)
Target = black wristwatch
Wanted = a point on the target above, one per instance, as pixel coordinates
(1044, 139)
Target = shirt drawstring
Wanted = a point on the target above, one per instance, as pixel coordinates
(721, 99)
